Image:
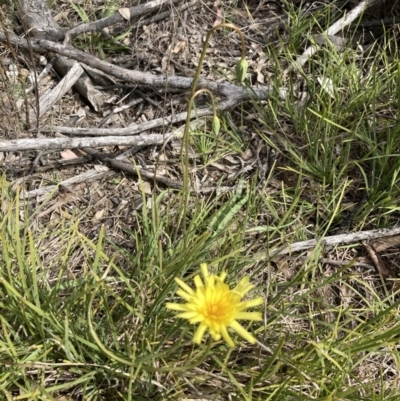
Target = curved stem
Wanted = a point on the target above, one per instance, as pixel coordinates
(193, 94)
(205, 47)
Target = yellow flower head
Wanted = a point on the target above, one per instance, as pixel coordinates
(216, 307)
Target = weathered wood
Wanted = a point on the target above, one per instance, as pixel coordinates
(47, 144)
(133, 12)
(86, 176)
(336, 27)
(137, 128)
(234, 93)
(54, 95)
(38, 21)
(334, 240)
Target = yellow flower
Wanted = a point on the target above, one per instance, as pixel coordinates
(216, 307)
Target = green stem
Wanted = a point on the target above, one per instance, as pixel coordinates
(193, 94)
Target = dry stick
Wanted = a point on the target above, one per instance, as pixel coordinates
(87, 176)
(132, 12)
(44, 72)
(139, 171)
(54, 95)
(62, 163)
(225, 89)
(137, 128)
(128, 168)
(345, 262)
(333, 30)
(40, 23)
(233, 94)
(48, 144)
(342, 239)
(163, 15)
(132, 103)
(157, 17)
(117, 136)
(29, 117)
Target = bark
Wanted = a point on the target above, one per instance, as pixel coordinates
(54, 144)
(37, 20)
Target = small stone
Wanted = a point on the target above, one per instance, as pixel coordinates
(246, 155)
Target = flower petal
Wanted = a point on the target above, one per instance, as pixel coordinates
(184, 286)
(197, 319)
(257, 316)
(222, 276)
(216, 307)
(242, 332)
(187, 315)
(243, 287)
(198, 337)
(215, 335)
(184, 295)
(178, 307)
(251, 303)
(197, 282)
(227, 337)
(204, 271)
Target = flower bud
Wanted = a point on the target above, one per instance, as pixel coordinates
(241, 69)
(215, 125)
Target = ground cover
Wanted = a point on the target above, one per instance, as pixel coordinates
(88, 268)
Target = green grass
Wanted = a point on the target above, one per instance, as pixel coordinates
(86, 320)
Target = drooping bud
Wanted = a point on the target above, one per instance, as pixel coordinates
(215, 125)
(241, 69)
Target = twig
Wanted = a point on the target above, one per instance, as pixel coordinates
(148, 100)
(40, 24)
(116, 110)
(44, 72)
(333, 30)
(163, 15)
(62, 163)
(132, 12)
(47, 144)
(345, 262)
(234, 93)
(333, 240)
(54, 95)
(35, 163)
(87, 176)
(139, 171)
(137, 128)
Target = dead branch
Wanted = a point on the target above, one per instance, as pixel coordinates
(141, 172)
(165, 14)
(225, 89)
(129, 14)
(54, 95)
(137, 128)
(86, 176)
(342, 263)
(333, 30)
(37, 19)
(342, 239)
(43, 74)
(47, 144)
(61, 163)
